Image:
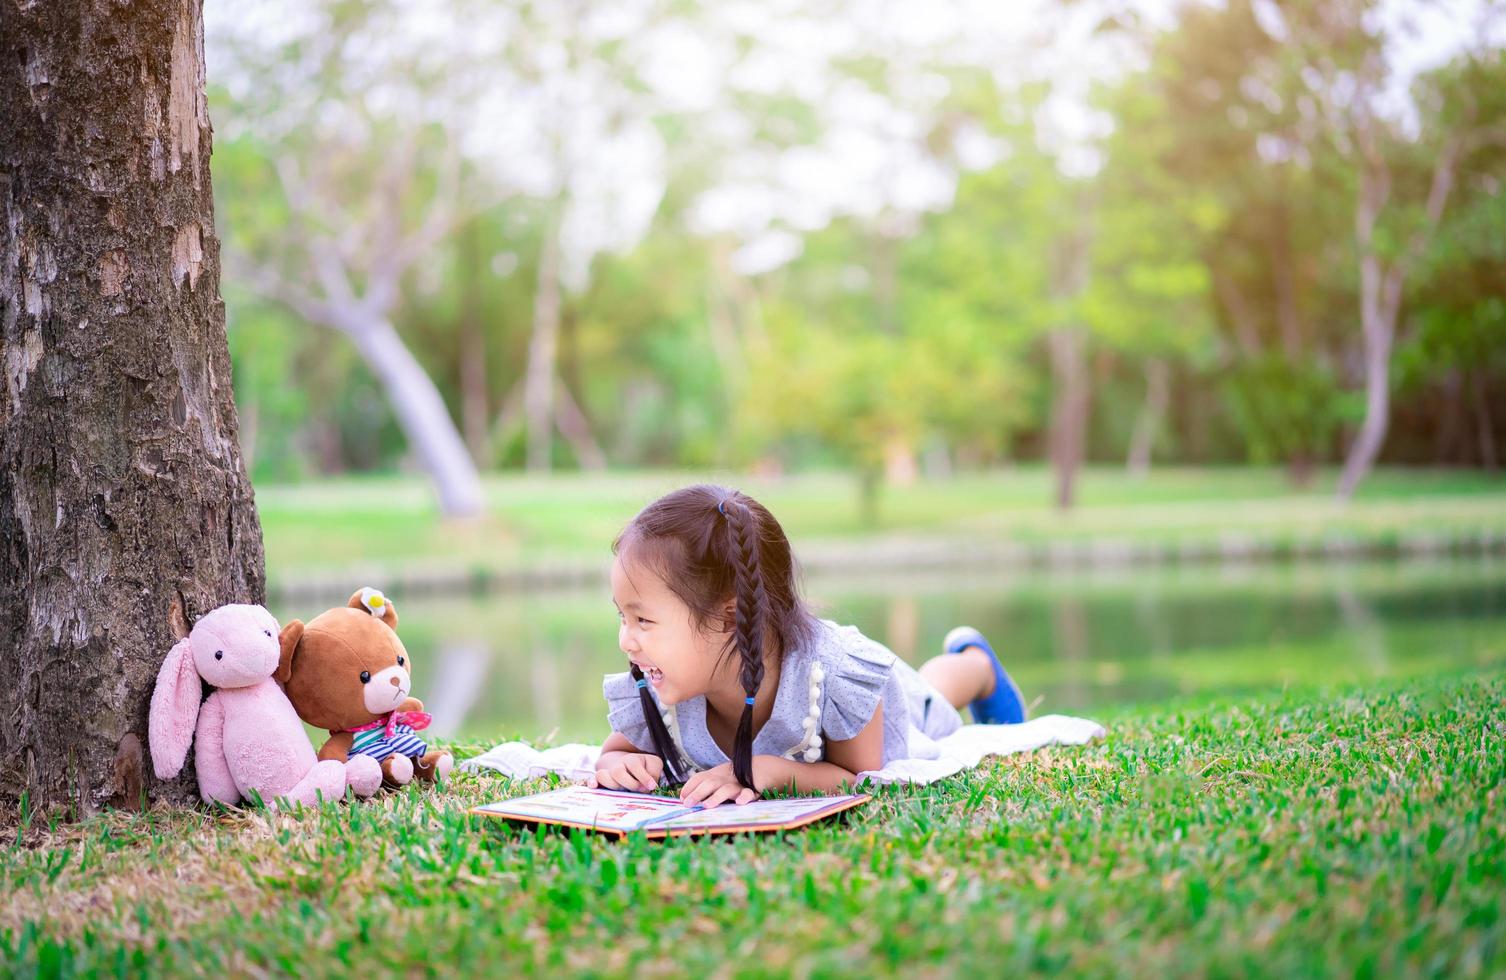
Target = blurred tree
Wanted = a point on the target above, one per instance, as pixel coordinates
(369, 182)
(1150, 296)
(1457, 339)
(1333, 52)
(599, 181)
(1192, 148)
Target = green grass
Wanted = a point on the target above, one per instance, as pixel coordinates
(391, 522)
(1310, 832)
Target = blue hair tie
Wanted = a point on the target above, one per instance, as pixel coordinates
(642, 683)
(749, 702)
(719, 507)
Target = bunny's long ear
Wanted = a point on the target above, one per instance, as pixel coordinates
(174, 711)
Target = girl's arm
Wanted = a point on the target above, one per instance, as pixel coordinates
(844, 759)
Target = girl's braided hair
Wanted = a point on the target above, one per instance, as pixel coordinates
(708, 544)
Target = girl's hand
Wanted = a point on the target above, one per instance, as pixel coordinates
(717, 786)
(630, 770)
(713, 787)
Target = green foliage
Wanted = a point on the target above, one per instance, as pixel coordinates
(1221, 227)
(1287, 411)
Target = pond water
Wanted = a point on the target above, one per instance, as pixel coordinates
(530, 665)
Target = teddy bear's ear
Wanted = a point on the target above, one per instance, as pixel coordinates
(372, 601)
(288, 640)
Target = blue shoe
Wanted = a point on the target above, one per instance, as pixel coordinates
(1006, 706)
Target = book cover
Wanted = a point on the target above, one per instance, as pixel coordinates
(621, 813)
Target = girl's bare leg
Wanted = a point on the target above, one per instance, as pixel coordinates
(962, 678)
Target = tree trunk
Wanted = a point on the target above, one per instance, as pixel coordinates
(1068, 347)
(475, 410)
(125, 512)
(1241, 314)
(538, 397)
(420, 409)
(1451, 418)
(1143, 440)
(1069, 410)
(1381, 285)
(1379, 329)
(1288, 316)
(1484, 430)
(422, 414)
(576, 429)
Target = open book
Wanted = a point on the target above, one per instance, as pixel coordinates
(616, 812)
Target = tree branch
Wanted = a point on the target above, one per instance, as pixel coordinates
(272, 285)
(322, 247)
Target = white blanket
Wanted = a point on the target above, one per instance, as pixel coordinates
(963, 749)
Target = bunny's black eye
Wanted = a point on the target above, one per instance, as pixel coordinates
(267, 632)
(399, 661)
(365, 677)
(219, 655)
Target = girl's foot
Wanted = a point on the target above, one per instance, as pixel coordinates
(1005, 706)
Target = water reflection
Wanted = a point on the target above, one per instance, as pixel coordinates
(530, 665)
(453, 684)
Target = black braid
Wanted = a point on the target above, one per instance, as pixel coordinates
(752, 603)
(664, 746)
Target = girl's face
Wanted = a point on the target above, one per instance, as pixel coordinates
(660, 635)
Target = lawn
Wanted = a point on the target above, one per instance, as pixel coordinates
(384, 523)
(1312, 831)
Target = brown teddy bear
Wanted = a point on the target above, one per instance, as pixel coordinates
(347, 672)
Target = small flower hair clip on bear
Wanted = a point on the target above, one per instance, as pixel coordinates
(373, 601)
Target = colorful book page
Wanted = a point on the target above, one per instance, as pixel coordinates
(759, 815)
(616, 812)
(594, 809)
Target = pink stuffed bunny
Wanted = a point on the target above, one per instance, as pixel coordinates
(249, 736)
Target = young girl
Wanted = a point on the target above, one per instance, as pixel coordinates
(735, 688)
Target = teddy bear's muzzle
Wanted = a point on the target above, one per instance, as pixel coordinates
(386, 690)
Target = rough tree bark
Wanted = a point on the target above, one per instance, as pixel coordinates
(125, 511)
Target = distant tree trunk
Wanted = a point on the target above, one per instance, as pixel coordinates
(576, 429)
(125, 512)
(1288, 316)
(417, 403)
(1381, 284)
(1069, 410)
(1379, 327)
(538, 387)
(1237, 307)
(1069, 368)
(1446, 432)
(422, 414)
(1143, 439)
(1484, 429)
(901, 468)
(475, 410)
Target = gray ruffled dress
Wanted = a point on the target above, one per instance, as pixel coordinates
(827, 690)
